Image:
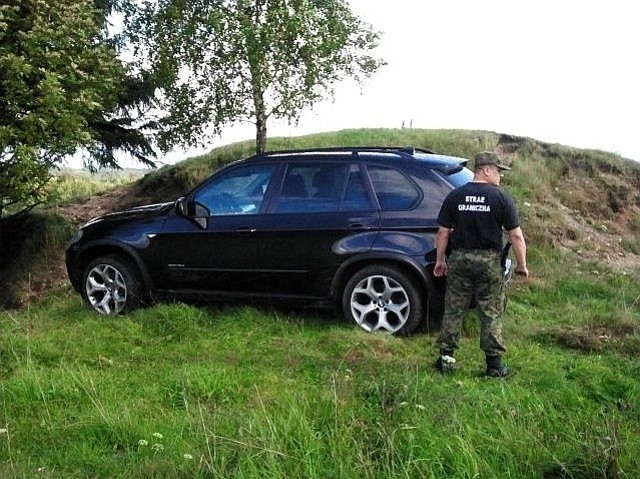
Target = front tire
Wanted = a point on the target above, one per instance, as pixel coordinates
(384, 298)
(111, 285)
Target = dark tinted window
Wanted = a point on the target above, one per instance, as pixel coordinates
(235, 192)
(356, 197)
(435, 191)
(322, 187)
(393, 189)
(460, 178)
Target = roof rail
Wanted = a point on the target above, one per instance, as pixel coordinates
(352, 149)
(413, 150)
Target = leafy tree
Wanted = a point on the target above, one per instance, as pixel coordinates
(129, 127)
(54, 76)
(221, 61)
(62, 87)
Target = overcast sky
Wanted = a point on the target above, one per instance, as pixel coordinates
(560, 71)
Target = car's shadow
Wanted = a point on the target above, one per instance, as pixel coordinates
(295, 312)
(283, 310)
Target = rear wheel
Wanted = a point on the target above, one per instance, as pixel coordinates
(111, 285)
(384, 298)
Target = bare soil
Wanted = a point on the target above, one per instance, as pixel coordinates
(116, 199)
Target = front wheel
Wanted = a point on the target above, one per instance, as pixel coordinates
(384, 298)
(111, 285)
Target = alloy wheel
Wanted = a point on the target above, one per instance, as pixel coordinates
(380, 303)
(106, 289)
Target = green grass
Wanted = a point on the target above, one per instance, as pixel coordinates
(73, 186)
(183, 391)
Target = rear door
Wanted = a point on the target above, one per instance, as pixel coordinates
(410, 201)
(320, 205)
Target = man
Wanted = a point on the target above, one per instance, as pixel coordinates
(471, 220)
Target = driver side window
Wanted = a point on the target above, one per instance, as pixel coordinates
(239, 191)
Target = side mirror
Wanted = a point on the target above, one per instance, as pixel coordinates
(182, 207)
(202, 216)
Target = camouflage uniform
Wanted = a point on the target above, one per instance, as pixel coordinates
(474, 274)
(472, 220)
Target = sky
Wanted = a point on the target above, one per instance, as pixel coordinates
(560, 71)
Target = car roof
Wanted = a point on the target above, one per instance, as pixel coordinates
(443, 163)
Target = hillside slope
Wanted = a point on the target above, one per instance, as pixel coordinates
(581, 204)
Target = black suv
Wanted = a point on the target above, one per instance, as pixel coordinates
(347, 227)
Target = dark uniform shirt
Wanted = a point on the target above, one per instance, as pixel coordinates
(477, 213)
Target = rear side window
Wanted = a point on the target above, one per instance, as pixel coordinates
(321, 188)
(393, 189)
(356, 197)
(435, 191)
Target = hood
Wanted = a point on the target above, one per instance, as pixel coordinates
(137, 213)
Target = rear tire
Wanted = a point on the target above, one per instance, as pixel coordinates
(111, 285)
(384, 298)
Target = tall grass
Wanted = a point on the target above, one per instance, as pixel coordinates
(72, 186)
(31, 255)
(234, 391)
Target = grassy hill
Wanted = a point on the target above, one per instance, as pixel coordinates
(181, 390)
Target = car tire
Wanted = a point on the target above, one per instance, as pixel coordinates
(111, 285)
(384, 298)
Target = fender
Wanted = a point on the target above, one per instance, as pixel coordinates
(110, 247)
(413, 264)
(416, 251)
(406, 243)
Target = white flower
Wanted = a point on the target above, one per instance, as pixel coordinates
(157, 447)
(157, 435)
(188, 457)
(142, 442)
(3, 430)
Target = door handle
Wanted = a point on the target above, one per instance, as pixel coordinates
(358, 226)
(246, 230)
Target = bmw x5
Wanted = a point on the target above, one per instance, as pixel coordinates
(349, 228)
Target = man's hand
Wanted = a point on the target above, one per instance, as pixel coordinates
(440, 269)
(442, 240)
(522, 271)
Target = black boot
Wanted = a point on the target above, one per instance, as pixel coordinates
(446, 363)
(495, 368)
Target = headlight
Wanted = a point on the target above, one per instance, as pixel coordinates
(76, 236)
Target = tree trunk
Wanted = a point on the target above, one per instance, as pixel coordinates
(261, 131)
(261, 117)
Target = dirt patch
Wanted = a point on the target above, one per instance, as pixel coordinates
(593, 211)
(116, 199)
(594, 339)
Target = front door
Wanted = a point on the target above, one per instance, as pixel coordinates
(214, 246)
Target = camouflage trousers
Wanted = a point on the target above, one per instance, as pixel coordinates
(474, 274)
